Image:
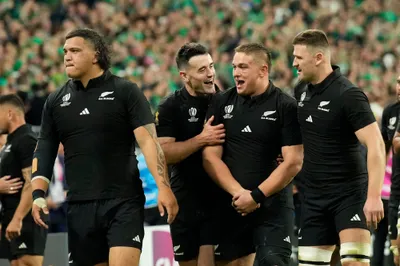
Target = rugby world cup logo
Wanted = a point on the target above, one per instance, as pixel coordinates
(392, 122)
(228, 110)
(192, 113)
(65, 100)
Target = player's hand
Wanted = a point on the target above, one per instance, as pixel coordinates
(373, 210)
(244, 203)
(213, 135)
(167, 200)
(14, 229)
(10, 186)
(39, 205)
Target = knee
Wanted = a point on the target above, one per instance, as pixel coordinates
(355, 254)
(266, 256)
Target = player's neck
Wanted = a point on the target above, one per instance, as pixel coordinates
(16, 124)
(191, 91)
(324, 72)
(95, 72)
(262, 87)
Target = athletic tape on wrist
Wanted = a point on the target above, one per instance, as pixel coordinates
(257, 195)
(395, 250)
(40, 202)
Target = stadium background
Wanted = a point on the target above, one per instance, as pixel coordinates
(145, 34)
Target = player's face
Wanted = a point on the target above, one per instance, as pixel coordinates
(304, 62)
(5, 117)
(246, 72)
(200, 74)
(398, 88)
(79, 57)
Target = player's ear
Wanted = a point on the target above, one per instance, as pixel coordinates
(264, 70)
(96, 57)
(184, 76)
(319, 58)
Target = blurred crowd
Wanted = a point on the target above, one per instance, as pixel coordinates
(145, 35)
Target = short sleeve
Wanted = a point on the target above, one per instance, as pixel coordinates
(164, 118)
(384, 124)
(138, 107)
(356, 109)
(214, 109)
(290, 127)
(24, 150)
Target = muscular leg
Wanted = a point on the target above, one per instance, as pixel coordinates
(206, 256)
(355, 247)
(28, 260)
(124, 256)
(315, 255)
(243, 261)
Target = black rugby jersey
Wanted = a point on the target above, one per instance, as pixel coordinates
(95, 124)
(329, 114)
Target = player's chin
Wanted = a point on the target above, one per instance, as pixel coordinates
(71, 73)
(209, 89)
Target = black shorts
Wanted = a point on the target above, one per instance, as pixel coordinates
(32, 240)
(96, 226)
(240, 236)
(190, 230)
(393, 216)
(324, 216)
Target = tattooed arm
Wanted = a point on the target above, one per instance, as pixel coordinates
(14, 228)
(25, 203)
(147, 139)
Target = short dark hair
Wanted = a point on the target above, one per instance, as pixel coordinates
(99, 43)
(313, 37)
(13, 100)
(258, 50)
(187, 51)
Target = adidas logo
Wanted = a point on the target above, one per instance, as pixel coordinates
(22, 246)
(355, 218)
(309, 119)
(136, 238)
(246, 129)
(287, 239)
(85, 112)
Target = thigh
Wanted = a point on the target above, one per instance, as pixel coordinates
(32, 240)
(185, 237)
(235, 235)
(393, 217)
(87, 241)
(273, 237)
(317, 226)
(348, 211)
(124, 222)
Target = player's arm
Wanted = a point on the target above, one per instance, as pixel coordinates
(285, 172)
(359, 115)
(142, 123)
(25, 202)
(218, 170)
(43, 162)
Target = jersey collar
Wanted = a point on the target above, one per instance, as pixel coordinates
(22, 129)
(320, 87)
(259, 98)
(93, 83)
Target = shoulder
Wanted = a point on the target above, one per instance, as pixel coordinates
(170, 101)
(284, 98)
(390, 107)
(62, 93)
(345, 86)
(123, 86)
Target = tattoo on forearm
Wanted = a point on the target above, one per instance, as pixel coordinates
(161, 163)
(26, 173)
